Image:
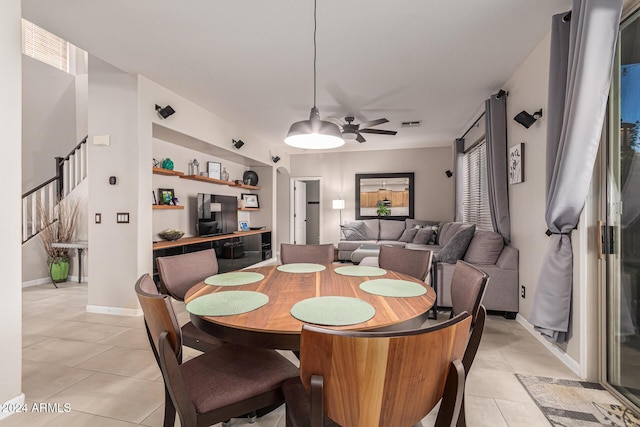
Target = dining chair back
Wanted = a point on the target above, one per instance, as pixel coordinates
(408, 261)
(468, 286)
(227, 382)
(178, 273)
(322, 254)
(379, 378)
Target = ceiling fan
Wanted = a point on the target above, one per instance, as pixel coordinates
(351, 131)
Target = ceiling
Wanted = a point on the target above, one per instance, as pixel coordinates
(251, 61)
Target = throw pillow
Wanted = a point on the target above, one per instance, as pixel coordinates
(485, 248)
(434, 236)
(422, 236)
(408, 235)
(354, 231)
(457, 246)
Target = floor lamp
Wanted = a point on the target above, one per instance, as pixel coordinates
(339, 204)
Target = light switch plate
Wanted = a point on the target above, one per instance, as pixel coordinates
(98, 218)
(102, 140)
(122, 217)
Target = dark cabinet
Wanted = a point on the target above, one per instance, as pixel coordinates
(233, 252)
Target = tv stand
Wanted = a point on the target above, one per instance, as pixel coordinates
(234, 251)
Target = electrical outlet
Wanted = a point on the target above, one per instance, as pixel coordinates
(523, 292)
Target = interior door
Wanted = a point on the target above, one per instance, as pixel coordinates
(621, 234)
(299, 212)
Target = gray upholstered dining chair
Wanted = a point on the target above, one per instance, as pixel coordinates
(407, 261)
(322, 254)
(468, 286)
(178, 273)
(225, 382)
(357, 378)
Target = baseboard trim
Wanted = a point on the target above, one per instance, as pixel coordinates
(16, 402)
(117, 311)
(561, 355)
(47, 281)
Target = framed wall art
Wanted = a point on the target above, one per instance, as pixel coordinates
(213, 169)
(165, 196)
(516, 164)
(250, 200)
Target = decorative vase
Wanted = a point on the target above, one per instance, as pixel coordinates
(167, 164)
(225, 174)
(59, 271)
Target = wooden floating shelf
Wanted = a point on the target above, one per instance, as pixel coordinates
(167, 207)
(219, 181)
(248, 209)
(161, 171)
(246, 186)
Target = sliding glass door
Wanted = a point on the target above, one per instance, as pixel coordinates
(621, 234)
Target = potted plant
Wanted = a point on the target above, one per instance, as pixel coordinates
(383, 209)
(58, 225)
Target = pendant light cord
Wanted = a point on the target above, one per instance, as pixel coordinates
(315, 26)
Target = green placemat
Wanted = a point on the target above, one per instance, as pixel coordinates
(301, 267)
(360, 270)
(227, 303)
(393, 288)
(234, 278)
(333, 311)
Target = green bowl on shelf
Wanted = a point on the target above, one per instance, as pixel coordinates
(171, 234)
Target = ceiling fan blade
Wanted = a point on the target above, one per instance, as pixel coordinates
(335, 120)
(373, 123)
(379, 131)
(360, 138)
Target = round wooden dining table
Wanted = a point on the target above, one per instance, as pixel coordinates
(273, 326)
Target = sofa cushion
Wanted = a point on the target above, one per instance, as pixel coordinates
(354, 231)
(457, 245)
(408, 235)
(422, 236)
(485, 248)
(390, 229)
(352, 245)
(373, 228)
(418, 223)
(394, 243)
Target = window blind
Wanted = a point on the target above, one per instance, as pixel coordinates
(40, 44)
(475, 188)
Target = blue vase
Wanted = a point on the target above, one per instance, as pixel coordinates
(167, 164)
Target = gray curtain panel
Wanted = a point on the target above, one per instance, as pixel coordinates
(582, 52)
(458, 154)
(496, 136)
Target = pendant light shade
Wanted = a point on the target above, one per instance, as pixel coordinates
(314, 133)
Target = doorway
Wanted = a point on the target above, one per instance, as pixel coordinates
(621, 234)
(306, 210)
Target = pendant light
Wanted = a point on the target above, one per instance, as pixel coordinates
(314, 133)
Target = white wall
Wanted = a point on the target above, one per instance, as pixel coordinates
(433, 190)
(49, 120)
(113, 110)
(10, 221)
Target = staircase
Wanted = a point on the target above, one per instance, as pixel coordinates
(70, 171)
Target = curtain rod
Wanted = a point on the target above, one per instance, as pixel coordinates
(500, 94)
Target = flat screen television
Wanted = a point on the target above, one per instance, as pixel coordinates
(216, 214)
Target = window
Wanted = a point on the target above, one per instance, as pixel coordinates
(475, 189)
(44, 46)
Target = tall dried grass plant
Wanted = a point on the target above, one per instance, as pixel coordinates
(58, 226)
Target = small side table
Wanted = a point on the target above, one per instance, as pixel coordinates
(79, 246)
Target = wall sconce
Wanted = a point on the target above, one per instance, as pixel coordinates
(275, 159)
(526, 119)
(448, 173)
(238, 144)
(164, 112)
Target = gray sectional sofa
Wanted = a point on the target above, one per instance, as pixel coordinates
(486, 250)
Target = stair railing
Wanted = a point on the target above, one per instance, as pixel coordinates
(71, 170)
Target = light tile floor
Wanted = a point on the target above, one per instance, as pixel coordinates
(102, 366)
